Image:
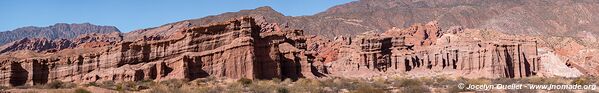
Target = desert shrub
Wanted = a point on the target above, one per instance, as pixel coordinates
(282, 90)
(427, 80)
(408, 82)
(135, 86)
(204, 80)
(245, 81)
(415, 89)
(263, 86)
(545, 80)
(159, 88)
(442, 82)
(508, 81)
(455, 89)
(590, 91)
(59, 84)
(276, 80)
(411, 86)
(80, 90)
(119, 88)
(478, 81)
(368, 89)
(176, 86)
(340, 83)
(107, 85)
(286, 82)
(129, 85)
(91, 84)
(166, 86)
(355, 85)
(215, 90)
(124, 86)
(306, 85)
(380, 83)
(173, 83)
(145, 84)
(585, 80)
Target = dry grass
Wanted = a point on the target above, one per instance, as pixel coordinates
(80, 90)
(327, 85)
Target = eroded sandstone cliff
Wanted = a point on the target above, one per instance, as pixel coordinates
(249, 47)
(426, 48)
(239, 48)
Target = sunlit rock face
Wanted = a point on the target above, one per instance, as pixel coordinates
(249, 47)
(425, 48)
(239, 48)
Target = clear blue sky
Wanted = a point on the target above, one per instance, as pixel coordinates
(130, 15)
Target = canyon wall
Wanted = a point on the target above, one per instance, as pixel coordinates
(239, 48)
(249, 47)
(427, 48)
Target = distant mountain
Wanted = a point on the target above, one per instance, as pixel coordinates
(56, 31)
(536, 17)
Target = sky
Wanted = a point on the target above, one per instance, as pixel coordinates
(128, 15)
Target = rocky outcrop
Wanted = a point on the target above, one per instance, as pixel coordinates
(37, 45)
(249, 47)
(239, 48)
(56, 31)
(465, 52)
(45, 45)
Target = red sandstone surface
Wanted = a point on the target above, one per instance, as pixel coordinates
(248, 47)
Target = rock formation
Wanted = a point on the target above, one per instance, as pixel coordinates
(56, 31)
(427, 48)
(239, 48)
(46, 45)
(252, 48)
(531, 17)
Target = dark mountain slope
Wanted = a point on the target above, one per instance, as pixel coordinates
(56, 31)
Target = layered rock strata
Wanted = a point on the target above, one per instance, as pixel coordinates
(239, 48)
(434, 50)
(252, 48)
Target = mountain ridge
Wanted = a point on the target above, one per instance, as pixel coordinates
(56, 31)
(536, 17)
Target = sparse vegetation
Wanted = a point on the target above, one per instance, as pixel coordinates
(58, 84)
(245, 81)
(80, 90)
(326, 85)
